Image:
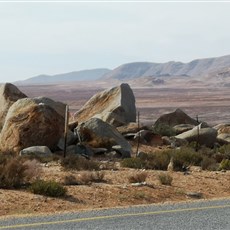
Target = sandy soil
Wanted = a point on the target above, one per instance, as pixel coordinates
(116, 190)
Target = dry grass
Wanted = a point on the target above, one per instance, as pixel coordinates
(138, 177)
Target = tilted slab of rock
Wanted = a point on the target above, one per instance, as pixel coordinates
(204, 136)
(9, 93)
(30, 124)
(115, 106)
(102, 129)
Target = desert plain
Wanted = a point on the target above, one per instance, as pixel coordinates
(210, 104)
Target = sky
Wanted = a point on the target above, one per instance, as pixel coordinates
(59, 37)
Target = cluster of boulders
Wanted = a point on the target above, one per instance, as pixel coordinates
(105, 125)
(36, 125)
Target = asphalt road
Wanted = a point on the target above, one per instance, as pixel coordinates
(192, 215)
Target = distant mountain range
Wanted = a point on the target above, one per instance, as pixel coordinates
(198, 67)
(156, 73)
(83, 75)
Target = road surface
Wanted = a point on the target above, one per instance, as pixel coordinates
(205, 215)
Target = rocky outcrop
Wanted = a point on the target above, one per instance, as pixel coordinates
(204, 136)
(115, 106)
(177, 117)
(30, 124)
(96, 128)
(8, 95)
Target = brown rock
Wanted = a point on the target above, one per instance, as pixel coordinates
(30, 124)
(175, 118)
(9, 93)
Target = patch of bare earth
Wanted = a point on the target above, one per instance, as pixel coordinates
(115, 191)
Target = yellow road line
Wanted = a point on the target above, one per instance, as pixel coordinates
(113, 216)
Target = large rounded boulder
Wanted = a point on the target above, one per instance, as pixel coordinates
(30, 124)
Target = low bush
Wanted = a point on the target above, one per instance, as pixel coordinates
(209, 164)
(225, 151)
(165, 179)
(71, 180)
(185, 156)
(225, 164)
(12, 172)
(156, 160)
(89, 177)
(138, 177)
(136, 163)
(76, 162)
(48, 188)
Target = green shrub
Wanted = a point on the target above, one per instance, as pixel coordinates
(138, 177)
(165, 179)
(225, 151)
(157, 160)
(185, 156)
(76, 162)
(225, 164)
(48, 188)
(12, 172)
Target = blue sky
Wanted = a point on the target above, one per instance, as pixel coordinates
(57, 37)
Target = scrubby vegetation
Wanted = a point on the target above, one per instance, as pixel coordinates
(48, 188)
(165, 179)
(15, 172)
(76, 162)
(225, 164)
(138, 177)
(89, 177)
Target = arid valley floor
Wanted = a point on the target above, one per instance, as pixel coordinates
(210, 104)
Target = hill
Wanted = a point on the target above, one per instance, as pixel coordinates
(198, 67)
(84, 75)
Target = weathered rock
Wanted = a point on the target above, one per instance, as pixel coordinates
(120, 150)
(30, 124)
(207, 136)
(223, 128)
(175, 118)
(9, 93)
(115, 106)
(36, 150)
(101, 129)
(182, 128)
(148, 137)
(59, 107)
(224, 138)
(71, 138)
(174, 142)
